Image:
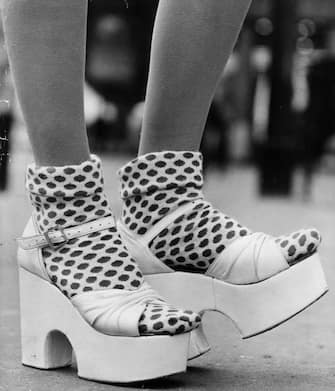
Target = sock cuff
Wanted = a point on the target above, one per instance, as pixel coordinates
(161, 171)
(67, 195)
(82, 180)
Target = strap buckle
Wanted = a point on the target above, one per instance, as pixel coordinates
(49, 240)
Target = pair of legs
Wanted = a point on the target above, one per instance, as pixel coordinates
(46, 42)
(161, 189)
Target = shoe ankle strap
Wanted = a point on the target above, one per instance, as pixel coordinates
(169, 219)
(57, 237)
(138, 245)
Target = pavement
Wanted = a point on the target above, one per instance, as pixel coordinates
(299, 355)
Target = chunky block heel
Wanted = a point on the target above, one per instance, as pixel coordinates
(51, 328)
(254, 308)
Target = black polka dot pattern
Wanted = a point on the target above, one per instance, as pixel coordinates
(71, 195)
(194, 240)
(163, 171)
(165, 319)
(298, 245)
(96, 261)
(156, 184)
(65, 196)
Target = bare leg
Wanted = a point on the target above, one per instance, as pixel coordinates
(192, 41)
(46, 44)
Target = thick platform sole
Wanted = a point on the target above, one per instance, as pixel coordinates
(254, 308)
(51, 329)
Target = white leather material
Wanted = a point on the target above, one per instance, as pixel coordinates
(32, 260)
(168, 219)
(112, 311)
(115, 311)
(139, 250)
(34, 240)
(252, 258)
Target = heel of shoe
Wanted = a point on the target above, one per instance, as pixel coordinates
(41, 346)
(51, 327)
(198, 344)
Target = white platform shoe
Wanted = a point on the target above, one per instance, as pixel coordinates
(54, 327)
(199, 257)
(277, 292)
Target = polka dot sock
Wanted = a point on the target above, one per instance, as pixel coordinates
(156, 184)
(69, 196)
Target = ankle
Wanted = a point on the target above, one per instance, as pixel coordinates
(156, 184)
(68, 195)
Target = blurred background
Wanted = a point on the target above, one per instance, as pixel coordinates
(269, 148)
(272, 109)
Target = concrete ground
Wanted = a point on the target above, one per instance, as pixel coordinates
(299, 355)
